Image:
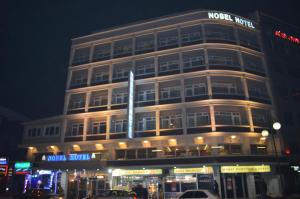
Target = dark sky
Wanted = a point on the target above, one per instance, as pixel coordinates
(35, 39)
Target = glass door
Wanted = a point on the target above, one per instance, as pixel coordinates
(234, 186)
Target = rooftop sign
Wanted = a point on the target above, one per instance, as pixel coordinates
(228, 17)
(285, 36)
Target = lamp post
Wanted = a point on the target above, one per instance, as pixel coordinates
(265, 133)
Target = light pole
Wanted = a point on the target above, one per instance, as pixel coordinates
(265, 133)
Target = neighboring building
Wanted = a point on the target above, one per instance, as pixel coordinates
(174, 103)
(11, 129)
(282, 46)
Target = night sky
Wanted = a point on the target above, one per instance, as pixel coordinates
(35, 39)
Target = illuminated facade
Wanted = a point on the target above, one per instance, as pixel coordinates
(189, 92)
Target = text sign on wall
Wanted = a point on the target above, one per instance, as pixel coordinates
(228, 17)
(3, 161)
(204, 170)
(121, 172)
(285, 36)
(22, 168)
(246, 169)
(3, 170)
(130, 110)
(70, 157)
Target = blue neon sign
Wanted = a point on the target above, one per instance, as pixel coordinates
(70, 157)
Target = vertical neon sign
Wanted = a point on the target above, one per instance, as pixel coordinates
(130, 110)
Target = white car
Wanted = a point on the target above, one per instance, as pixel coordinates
(198, 194)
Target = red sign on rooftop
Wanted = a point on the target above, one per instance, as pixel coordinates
(283, 35)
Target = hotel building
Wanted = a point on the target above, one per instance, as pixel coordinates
(170, 104)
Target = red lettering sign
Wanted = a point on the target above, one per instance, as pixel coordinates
(283, 35)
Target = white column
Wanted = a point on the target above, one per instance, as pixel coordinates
(85, 127)
(108, 123)
(212, 117)
(245, 87)
(89, 77)
(156, 85)
(250, 119)
(209, 88)
(87, 101)
(66, 104)
(63, 130)
(157, 119)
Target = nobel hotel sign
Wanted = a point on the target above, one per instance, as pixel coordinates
(229, 17)
(246, 169)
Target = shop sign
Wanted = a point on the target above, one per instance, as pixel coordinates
(246, 169)
(70, 157)
(285, 36)
(229, 17)
(3, 170)
(121, 172)
(193, 170)
(22, 168)
(3, 161)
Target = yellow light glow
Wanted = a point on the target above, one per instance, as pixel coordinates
(263, 138)
(199, 138)
(146, 143)
(122, 145)
(31, 148)
(233, 136)
(75, 146)
(203, 170)
(172, 142)
(99, 146)
(52, 147)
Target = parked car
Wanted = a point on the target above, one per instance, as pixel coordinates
(117, 194)
(198, 194)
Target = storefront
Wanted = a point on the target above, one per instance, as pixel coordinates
(248, 181)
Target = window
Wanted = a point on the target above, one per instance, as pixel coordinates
(191, 34)
(146, 123)
(253, 63)
(79, 78)
(100, 74)
(81, 56)
(224, 88)
(144, 44)
(223, 58)
(257, 89)
(144, 67)
(121, 70)
(99, 98)
(219, 32)
(228, 118)
(171, 121)
(193, 90)
(248, 38)
(145, 95)
(258, 149)
(170, 92)
(52, 130)
(120, 96)
(123, 48)
(76, 129)
(123, 154)
(34, 132)
(98, 127)
(101, 52)
(168, 63)
(167, 39)
(177, 151)
(193, 59)
(260, 117)
(198, 119)
(77, 101)
(119, 126)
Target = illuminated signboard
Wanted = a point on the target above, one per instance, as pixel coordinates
(3, 161)
(22, 168)
(229, 17)
(283, 35)
(3, 170)
(121, 172)
(130, 110)
(70, 157)
(246, 169)
(202, 170)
